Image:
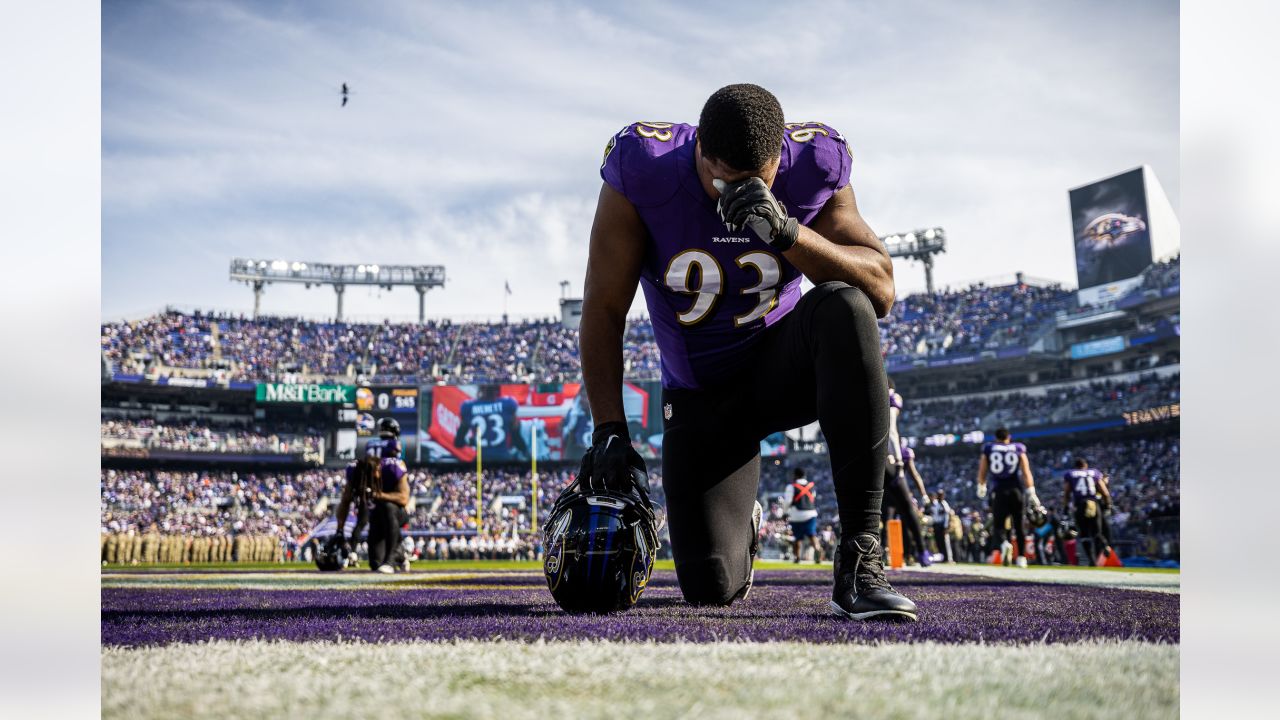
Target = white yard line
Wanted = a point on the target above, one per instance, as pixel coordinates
(348, 579)
(1116, 578)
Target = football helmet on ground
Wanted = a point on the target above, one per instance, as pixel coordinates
(600, 543)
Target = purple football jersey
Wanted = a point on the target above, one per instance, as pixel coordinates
(1004, 460)
(1084, 484)
(712, 291)
(392, 470)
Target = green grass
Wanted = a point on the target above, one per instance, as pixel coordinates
(586, 679)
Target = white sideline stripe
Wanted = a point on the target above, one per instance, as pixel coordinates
(1114, 578)
(513, 680)
(347, 579)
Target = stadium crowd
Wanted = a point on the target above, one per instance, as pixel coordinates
(288, 505)
(1021, 409)
(968, 320)
(1144, 484)
(124, 434)
(979, 317)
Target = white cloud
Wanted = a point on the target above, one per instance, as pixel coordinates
(474, 133)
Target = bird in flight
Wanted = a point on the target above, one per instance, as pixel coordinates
(344, 94)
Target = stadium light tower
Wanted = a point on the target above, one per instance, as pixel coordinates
(259, 273)
(919, 245)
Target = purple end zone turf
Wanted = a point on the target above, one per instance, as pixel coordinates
(784, 605)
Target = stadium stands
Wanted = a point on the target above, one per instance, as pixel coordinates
(975, 318)
(285, 504)
(120, 436)
(270, 348)
(288, 504)
(1022, 409)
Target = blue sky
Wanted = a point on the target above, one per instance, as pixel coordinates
(474, 136)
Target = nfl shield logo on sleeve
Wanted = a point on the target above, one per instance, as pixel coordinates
(666, 411)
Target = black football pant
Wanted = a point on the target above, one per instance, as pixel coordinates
(942, 538)
(820, 362)
(1089, 539)
(1009, 503)
(898, 496)
(385, 521)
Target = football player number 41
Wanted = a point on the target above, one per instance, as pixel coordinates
(710, 281)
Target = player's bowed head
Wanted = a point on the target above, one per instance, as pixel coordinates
(738, 155)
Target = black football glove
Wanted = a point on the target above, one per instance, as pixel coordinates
(611, 459)
(748, 203)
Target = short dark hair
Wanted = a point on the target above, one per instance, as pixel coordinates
(741, 126)
(797, 473)
(889, 379)
(1002, 434)
(1081, 463)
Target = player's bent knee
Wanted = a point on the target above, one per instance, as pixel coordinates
(840, 306)
(706, 582)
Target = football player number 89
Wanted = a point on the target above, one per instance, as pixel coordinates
(710, 281)
(1000, 462)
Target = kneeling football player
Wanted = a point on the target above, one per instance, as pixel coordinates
(379, 485)
(718, 223)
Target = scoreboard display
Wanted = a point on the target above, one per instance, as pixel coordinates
(374, 402)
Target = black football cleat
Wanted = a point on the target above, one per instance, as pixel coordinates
(861, 591)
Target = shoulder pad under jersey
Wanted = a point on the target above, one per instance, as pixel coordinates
(817, 163)
(640, 161)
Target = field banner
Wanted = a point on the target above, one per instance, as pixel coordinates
(1119, 225)
(314, 394)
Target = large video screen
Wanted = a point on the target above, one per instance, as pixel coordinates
(1110, 221)
(509, 423)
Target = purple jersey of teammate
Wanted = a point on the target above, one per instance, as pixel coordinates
(393, 468)
(1004, 460)
(908, 455)
(712, 291)
(383, 447)
(1084, 484)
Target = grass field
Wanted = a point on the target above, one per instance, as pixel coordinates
(466, 639)
(585, 679)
